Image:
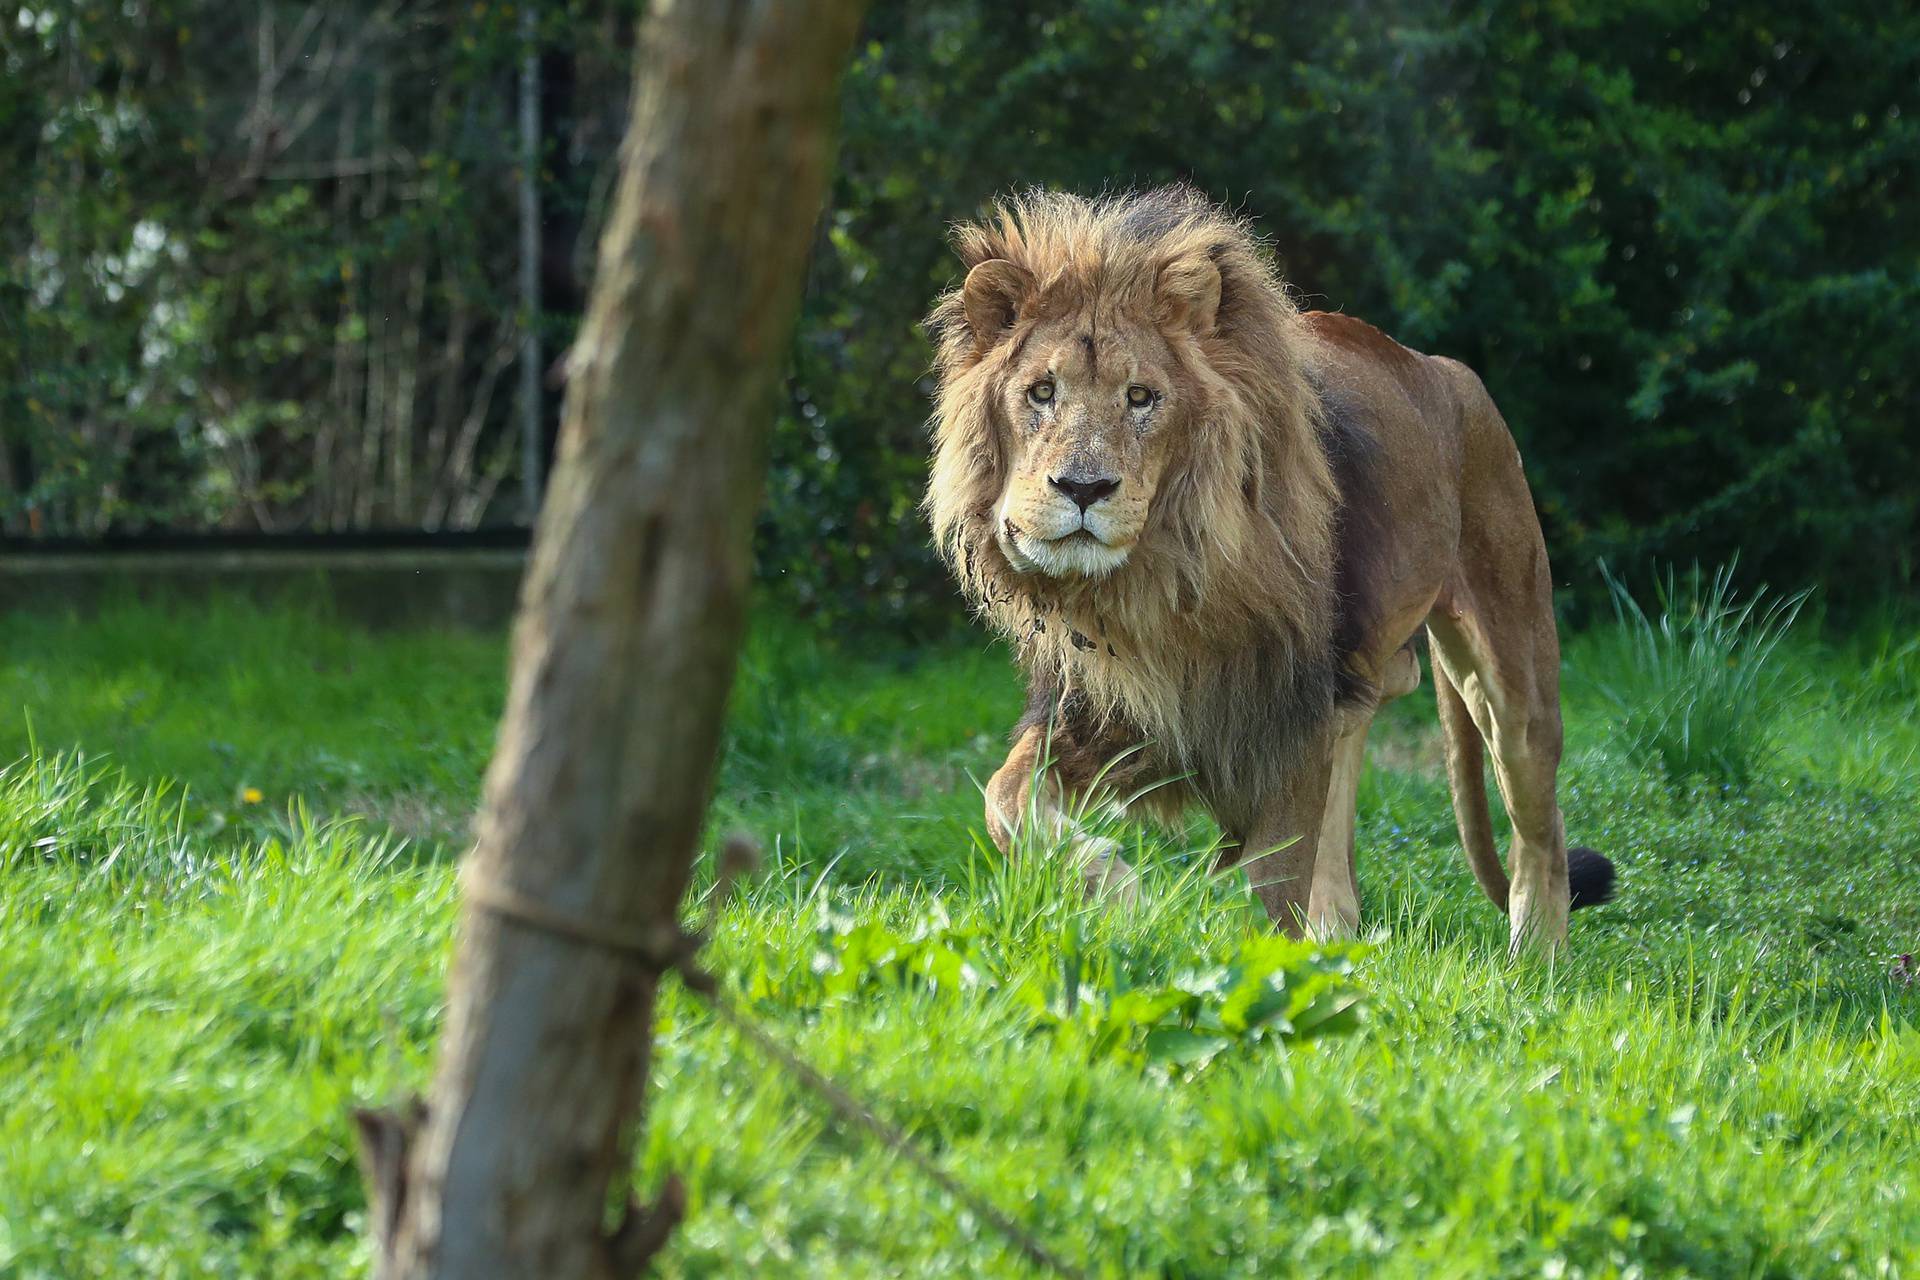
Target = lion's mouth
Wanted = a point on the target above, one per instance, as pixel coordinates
(1080, 536)
(1078, 553)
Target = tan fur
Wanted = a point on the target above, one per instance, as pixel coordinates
(1228, 576)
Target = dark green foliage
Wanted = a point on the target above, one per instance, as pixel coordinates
(1675, 236)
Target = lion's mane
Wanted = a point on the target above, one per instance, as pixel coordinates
(1217, 638)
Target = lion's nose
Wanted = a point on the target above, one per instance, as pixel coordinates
(1084, 490)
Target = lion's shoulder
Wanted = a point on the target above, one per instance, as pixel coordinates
(1369, 366)
(1355, 337)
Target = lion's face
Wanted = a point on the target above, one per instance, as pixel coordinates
(1089, 401)
(1089, 415)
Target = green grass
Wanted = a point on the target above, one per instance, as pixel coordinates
(1723, 1080)
(1698, 683)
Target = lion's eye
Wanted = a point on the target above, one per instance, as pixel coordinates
(1139, 397)
(1041, 392)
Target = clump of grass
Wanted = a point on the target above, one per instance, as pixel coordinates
(1700, 692)
(1890, 673)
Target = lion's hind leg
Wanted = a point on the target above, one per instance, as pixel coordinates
(1499, 653)
(1494, 636)
(1504, 666)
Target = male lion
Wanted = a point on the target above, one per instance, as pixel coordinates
(1213, 526)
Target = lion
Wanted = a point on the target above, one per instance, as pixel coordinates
(1213, 527)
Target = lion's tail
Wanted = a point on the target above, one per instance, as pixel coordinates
(1589, 874)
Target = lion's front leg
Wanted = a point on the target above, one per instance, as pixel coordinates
(1333, 907)
(1025, 796)
(1283, 839)
(1010, 790)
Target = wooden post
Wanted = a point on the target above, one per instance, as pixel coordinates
(623, 655)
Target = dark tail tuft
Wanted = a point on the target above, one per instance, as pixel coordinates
(1590, 877)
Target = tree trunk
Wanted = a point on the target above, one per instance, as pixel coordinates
(21, 107)
(623, 655)
(532, 446)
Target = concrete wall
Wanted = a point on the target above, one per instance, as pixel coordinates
(378, 588)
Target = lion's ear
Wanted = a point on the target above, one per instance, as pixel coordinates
(992, 297)
(1189, 294)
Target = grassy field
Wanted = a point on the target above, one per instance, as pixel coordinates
(228, 835)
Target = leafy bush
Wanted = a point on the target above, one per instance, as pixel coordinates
(1078, 973)
(1273, 990)
(1701, 693)
(1088, 996)
(853, 959)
